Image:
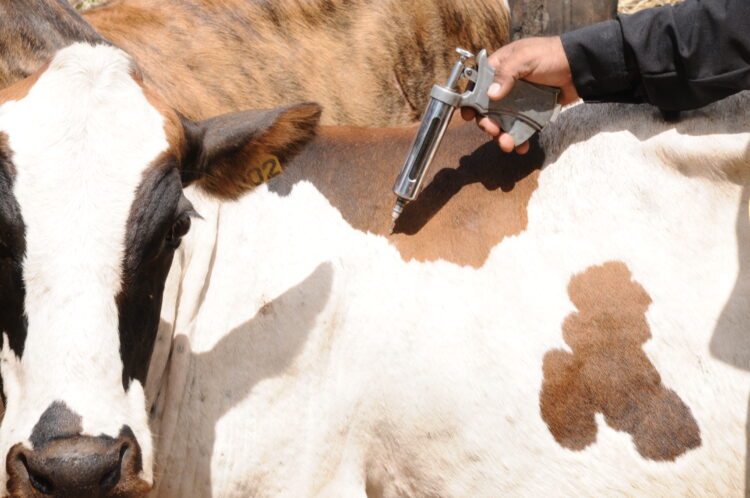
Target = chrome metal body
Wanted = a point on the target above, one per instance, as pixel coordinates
(526, 110)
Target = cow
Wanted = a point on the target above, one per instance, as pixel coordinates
(554, 323)
(85, 138)
(367, 62)
(559, 316)
(569, 322)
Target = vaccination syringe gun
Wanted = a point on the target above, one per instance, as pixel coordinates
(526, 110)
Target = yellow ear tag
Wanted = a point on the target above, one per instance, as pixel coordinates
(267, 166)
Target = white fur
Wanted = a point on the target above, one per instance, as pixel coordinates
(423, 379)
(81, 140)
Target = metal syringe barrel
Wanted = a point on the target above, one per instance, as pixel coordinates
(436, 118)
(443, 103)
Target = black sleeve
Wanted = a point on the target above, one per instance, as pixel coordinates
(676, 58)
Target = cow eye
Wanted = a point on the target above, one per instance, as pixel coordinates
(179, 229)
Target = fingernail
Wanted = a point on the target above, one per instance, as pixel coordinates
(494, 90)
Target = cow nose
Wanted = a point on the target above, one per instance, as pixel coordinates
(77, 466)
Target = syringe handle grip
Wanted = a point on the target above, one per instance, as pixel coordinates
(524, 111)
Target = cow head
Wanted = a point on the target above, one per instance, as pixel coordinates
(92, 170)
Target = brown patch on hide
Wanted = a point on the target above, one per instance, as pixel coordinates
(21, 89)
(473, 197)
(609, 373)
(367, 62)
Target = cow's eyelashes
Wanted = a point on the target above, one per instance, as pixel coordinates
(5, 251)
(179, 229)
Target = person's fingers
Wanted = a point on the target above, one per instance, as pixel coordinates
(523, 148)
(503, 140)
(467, 113)
(506, 142)
(489, 126)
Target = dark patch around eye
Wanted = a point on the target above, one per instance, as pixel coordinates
(182, 223)
(12, 249)
(151, 216)
(158, 204)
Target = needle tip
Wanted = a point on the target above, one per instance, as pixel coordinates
(396, 212)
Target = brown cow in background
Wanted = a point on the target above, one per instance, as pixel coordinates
(367, 62)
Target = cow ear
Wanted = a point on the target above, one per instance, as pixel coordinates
(230, 154)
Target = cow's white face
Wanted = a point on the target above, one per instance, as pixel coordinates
(91, 211)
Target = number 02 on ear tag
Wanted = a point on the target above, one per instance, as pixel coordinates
(267, 166)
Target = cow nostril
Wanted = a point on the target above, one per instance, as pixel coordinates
(38, 481)
(41, 484)
(111, 478)
(77, 466)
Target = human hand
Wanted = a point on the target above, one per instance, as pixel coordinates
(538, 60)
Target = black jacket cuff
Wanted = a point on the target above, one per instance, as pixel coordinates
(598, 63)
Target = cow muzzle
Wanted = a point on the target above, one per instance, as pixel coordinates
(78, 466)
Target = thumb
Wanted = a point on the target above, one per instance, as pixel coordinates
(501, 86)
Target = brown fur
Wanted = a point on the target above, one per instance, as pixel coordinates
(474, 195)
(367, 62)
(32, 31)
(280, 132)
(609, 373)
(20, 89)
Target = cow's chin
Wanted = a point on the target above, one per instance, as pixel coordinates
(73, 446)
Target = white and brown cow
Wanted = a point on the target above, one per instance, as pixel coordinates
(92, 167)
(571, 322)
(558, 323)
(568, 322)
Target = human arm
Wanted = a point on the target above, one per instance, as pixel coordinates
(676, 58)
